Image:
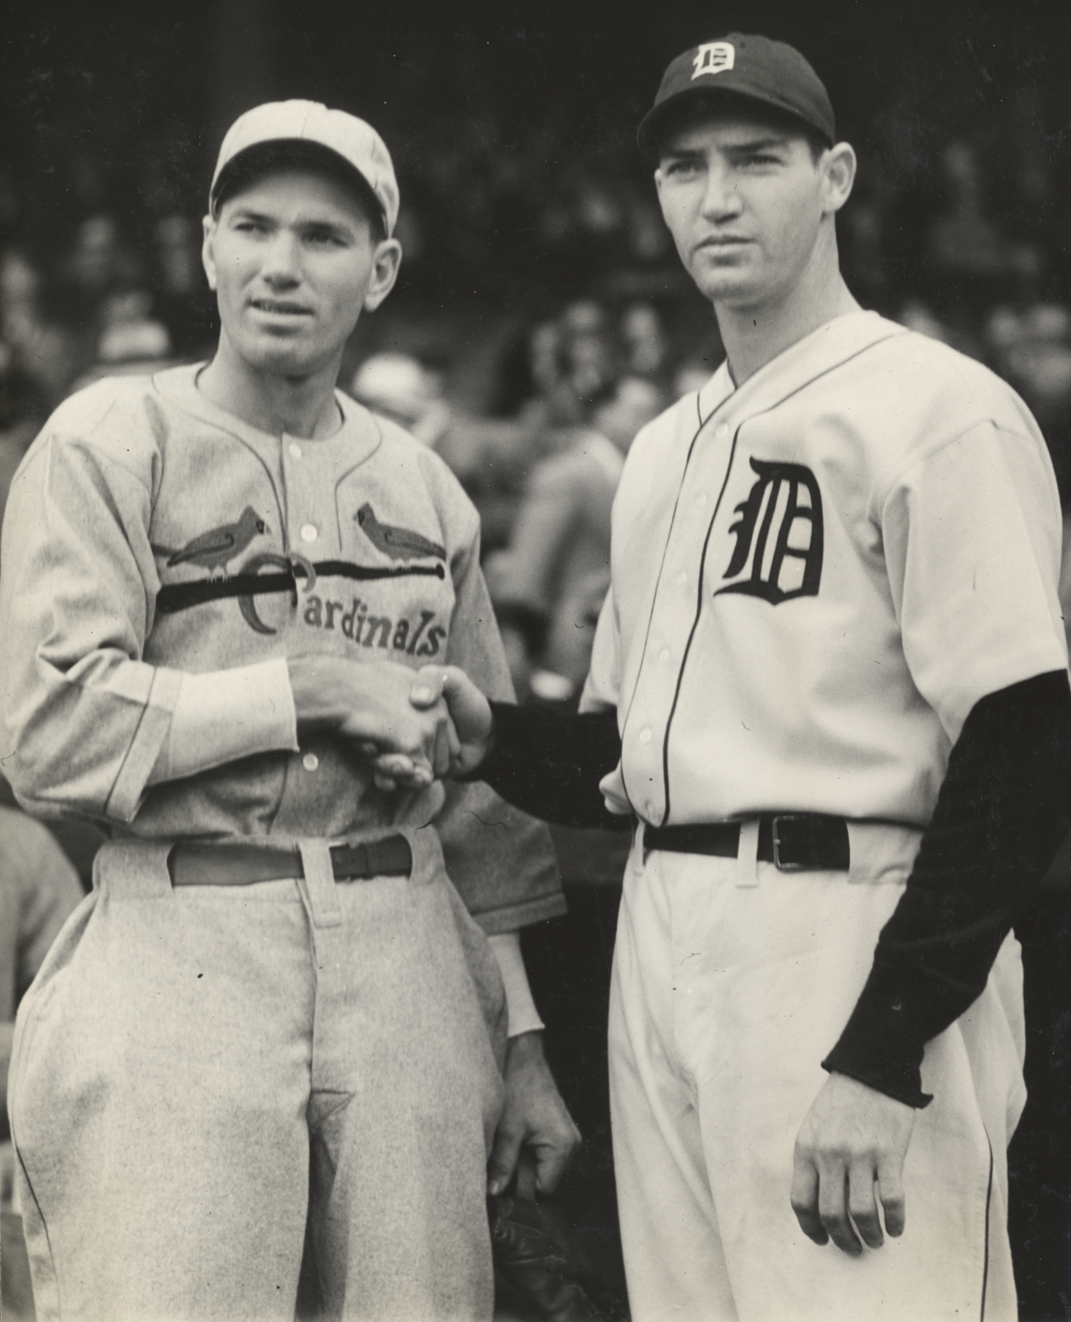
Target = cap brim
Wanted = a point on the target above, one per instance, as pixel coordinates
(247, 165)
(647, 135)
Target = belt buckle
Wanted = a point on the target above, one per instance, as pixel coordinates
(775, 837)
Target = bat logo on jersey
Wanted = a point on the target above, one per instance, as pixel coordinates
(714, 57)
(779, 535)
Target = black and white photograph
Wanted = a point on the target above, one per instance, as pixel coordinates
(535, 723)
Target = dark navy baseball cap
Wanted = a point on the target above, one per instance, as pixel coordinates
(751, 67)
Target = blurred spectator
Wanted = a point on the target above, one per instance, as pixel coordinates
(130, 340)
(645, 348)
(39, 889)
(129, 334)
(967, 252)
(634, 402)
(46, 352)
(549, 586)
(403, 389)
(690, 376)
(865, 248)
(181, 297)
(96, 263)
(553, 400)
(920, 317)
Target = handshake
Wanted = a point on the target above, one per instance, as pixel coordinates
(415, 727)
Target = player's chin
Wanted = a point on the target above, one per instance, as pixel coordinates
(286, 355)
(722, 281)
(729, 288)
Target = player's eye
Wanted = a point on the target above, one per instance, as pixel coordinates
(679, 167)
(760, 158)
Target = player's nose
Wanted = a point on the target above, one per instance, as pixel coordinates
(721, 197)
(281, 261)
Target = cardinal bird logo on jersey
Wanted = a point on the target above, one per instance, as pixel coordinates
(398, 543)
(779, 535)
(215, 549)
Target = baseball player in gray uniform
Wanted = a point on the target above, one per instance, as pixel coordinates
(829, 692)
(276, 1032)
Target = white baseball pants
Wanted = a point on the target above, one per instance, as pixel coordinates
(731, 982)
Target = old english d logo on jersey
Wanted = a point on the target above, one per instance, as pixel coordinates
(778, 535)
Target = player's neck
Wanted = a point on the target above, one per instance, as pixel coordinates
(299, 406)
(754, 335)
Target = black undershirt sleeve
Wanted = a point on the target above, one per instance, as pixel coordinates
(549, 763)
(1002, 813)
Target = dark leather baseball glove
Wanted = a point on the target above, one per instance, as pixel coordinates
(542, 1266)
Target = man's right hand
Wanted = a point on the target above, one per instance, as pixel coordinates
(470, 714)
(369, 703)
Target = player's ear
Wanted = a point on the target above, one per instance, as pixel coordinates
(385, 265)
(208, 255)
(838, 166)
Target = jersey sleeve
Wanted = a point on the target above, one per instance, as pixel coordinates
(602, 690)
(500, 860)
(1003, 810)
(972, 547)
(86, 719)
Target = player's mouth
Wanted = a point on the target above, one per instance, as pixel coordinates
(279, 307)
(722, 243)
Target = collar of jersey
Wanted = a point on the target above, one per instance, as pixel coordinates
(360, 434)
(831, 344)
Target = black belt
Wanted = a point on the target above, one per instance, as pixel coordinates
(795, 842)
(201, 864)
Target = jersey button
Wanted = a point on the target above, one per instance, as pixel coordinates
(663, 656)
(295, 450)
(645, 735)
(722, 429)
(701, 500)
(682, 577)
(310, 761)
(309, 533)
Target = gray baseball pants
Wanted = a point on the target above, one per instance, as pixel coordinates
(207, 1078)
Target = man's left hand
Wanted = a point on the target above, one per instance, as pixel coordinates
(534, 1119)
(853, 1139)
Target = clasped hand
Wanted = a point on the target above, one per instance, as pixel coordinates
(440, 689)
(369, 704)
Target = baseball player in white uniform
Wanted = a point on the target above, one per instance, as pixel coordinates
(829, 691)
(275, 1034)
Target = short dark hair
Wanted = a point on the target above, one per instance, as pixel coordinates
(703, 105)
(265, 157)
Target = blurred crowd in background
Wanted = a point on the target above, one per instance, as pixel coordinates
(543, 317)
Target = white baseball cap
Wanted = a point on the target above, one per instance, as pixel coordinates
(281, 133)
